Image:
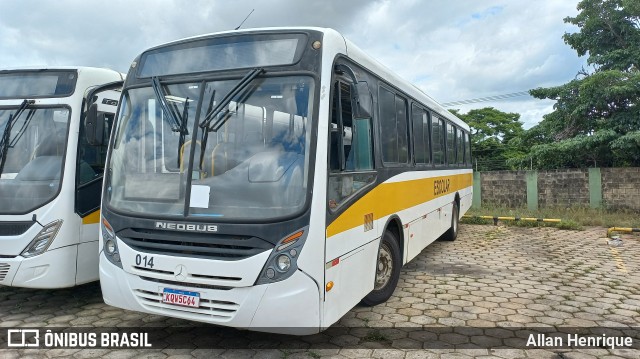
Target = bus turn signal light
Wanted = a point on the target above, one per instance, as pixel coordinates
(290, 240)
(329, 286)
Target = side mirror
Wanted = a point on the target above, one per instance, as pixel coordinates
(94, 123)
(362, 101)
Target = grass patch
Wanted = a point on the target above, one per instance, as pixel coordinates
(573, 218)
(475, 220)
(375, 336)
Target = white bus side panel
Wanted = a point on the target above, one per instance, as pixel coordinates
(416, 200)
(353, 277)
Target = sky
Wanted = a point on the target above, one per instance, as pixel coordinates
(452, 50)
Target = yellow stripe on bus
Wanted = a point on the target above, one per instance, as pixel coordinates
(390, 198)
(92, 218)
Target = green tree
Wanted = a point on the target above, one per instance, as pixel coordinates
(596, 118)
(492, 136)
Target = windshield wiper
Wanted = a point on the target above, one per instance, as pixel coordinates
(169, 113)
(211, 115)
(180, 125)
(5, 141)
(183, 128)
(237, 89)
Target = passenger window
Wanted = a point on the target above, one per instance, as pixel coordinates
(420, 120)
(460, 147)
(467, 149)
(451, 144)
(437, 141)
(393, 120)
(351, 149)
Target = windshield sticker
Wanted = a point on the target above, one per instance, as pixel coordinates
(199, 196)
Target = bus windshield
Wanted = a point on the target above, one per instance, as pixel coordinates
(33, 161)
(252, 164)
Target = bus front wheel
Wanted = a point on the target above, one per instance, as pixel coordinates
(387, 270)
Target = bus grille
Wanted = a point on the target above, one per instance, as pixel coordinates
(14, 228)
(4, 270)
(198, 245)
(222, 310)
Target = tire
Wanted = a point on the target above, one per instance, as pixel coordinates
(452, 233)
(387, 270)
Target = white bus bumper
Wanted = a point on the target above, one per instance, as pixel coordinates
(290, 306)
(52, 269)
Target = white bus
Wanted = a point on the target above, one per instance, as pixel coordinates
(50, 176)
(272, 179)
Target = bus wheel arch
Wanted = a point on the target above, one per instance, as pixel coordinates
(388, 263)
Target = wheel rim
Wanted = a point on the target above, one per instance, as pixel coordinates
(384, 267)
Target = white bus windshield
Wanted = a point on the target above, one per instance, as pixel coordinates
(35, 149)
(252, 166)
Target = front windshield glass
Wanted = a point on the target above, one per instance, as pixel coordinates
(252, 165)
(32, 170)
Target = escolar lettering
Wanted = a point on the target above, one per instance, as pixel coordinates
(441, 186)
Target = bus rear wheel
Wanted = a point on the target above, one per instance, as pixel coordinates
(452, 233)
(387, 270)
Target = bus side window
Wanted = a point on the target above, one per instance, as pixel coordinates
(467, 149)
(393, 119)
(437, 141)
(421, 135)
(353, 135)
(451, 144)
(460, 147)
(350, 148)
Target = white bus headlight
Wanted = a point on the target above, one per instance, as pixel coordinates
(282, 262)
(43, 239)
(110, 244)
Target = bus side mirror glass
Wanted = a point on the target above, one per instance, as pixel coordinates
(363, 101)
(94, 126)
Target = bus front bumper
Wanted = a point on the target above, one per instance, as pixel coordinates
(291, 306)
(52, 269)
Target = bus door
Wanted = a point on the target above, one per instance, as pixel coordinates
(95, 127)
(351, 246)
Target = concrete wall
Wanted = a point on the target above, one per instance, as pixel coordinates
(613, 188)
(563, 188)
(504, 188)
(621, 188)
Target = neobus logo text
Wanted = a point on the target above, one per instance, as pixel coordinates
(187, 227)
(441, 186)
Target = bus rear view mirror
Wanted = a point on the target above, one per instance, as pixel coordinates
(362, 101)
(94, 123)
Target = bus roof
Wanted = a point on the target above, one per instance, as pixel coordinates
(353, 52)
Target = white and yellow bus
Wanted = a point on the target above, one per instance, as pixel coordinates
(272, 179)
(50, 175)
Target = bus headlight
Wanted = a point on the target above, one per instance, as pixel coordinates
(282, 262)
(43, 239)
(110, 245)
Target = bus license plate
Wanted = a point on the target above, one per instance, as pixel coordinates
(181, 297)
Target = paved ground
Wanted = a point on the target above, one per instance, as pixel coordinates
(517, 279)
